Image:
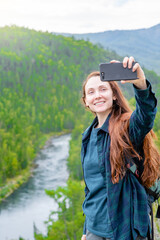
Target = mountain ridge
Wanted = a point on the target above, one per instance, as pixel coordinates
(143, 43)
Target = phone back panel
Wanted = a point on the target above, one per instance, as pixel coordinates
(116, 72)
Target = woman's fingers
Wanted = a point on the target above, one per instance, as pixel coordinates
(114, 61)
(140, 82)
(127, 81)
(128, 61)
(83, 237)
(135, 67)
(125, 62)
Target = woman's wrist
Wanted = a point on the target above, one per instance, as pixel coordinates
(141, 84)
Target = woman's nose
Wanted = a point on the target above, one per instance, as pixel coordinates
(97, 94)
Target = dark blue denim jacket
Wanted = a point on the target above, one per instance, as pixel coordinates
(127, 200)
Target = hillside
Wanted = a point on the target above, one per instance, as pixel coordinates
(40, 76)
(144, 44)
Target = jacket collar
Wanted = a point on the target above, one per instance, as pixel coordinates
(104, 127)
(87, 132)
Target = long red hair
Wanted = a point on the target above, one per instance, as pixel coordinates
(121, 145)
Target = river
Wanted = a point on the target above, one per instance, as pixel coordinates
(29, 205)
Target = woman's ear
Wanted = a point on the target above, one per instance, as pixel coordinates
(86, 104)
(114, 98)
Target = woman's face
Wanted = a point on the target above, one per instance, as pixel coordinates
(99, 96)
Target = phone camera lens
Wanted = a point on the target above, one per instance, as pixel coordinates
(102, 74)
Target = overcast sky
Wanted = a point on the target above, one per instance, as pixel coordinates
(80, 16)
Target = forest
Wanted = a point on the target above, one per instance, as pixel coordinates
(40, 78)
(41, 75)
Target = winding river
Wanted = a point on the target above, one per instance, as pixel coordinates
(29, 206)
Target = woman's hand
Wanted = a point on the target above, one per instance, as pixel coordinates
(141, 81)
(83, 237)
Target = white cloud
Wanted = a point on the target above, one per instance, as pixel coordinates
(80, 16)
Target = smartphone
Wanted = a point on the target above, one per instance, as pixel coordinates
(116, 72)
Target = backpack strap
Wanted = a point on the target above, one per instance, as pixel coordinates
(158, 211)
(156, 195)
(133, 169)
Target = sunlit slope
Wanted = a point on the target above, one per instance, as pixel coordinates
(40, 78)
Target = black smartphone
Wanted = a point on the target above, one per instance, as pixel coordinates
(116, 72)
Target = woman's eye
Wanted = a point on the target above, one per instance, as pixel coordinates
(90, 92)
(103, 89)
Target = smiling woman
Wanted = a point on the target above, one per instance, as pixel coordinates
(117, 138)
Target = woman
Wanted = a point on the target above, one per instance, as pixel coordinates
(116, 204)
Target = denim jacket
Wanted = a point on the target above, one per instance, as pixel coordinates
(127, 200)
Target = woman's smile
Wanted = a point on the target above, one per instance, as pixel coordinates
(99, 103)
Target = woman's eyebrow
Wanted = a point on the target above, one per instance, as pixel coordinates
(90, 88)
(103, 86)
(100, 86)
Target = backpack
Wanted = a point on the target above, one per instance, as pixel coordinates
(153, 192)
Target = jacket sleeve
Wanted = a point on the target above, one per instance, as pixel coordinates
(142, 119)
(86, 191)
(84, 227)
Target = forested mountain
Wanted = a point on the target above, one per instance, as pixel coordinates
(40, 78)
(142, 43)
